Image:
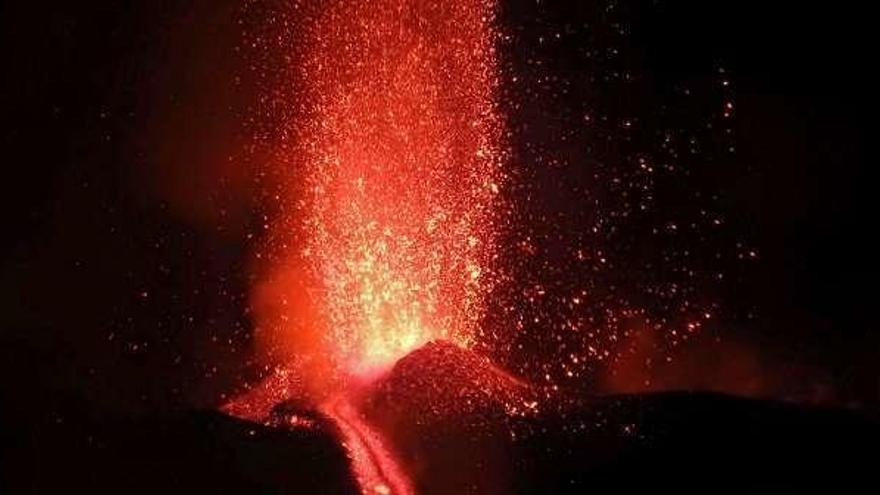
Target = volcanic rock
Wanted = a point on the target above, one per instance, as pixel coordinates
(442, 382)
(447, 412)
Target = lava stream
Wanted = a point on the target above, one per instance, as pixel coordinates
(374, 465)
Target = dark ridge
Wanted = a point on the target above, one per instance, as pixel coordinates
(194, 452)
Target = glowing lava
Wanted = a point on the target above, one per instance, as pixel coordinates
(393, 160)
(386, 203)
(374, 465)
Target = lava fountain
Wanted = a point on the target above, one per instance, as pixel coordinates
(389, 184)
(386, 201)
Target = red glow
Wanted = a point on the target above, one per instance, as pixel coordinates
(385, 239)
(386, 201)
(374, 465)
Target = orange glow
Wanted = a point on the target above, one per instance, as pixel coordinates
(389, 184)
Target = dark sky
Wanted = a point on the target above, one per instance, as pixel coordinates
(804, 108)
(123, 275)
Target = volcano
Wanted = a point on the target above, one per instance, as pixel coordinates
(441, 381)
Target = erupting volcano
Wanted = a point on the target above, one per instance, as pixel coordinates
(437, 247)
(388, 193)
(394, 216)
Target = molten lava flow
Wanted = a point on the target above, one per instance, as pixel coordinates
(393, 162)
(374, 465)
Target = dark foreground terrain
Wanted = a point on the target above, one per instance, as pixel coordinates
(675, 441)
